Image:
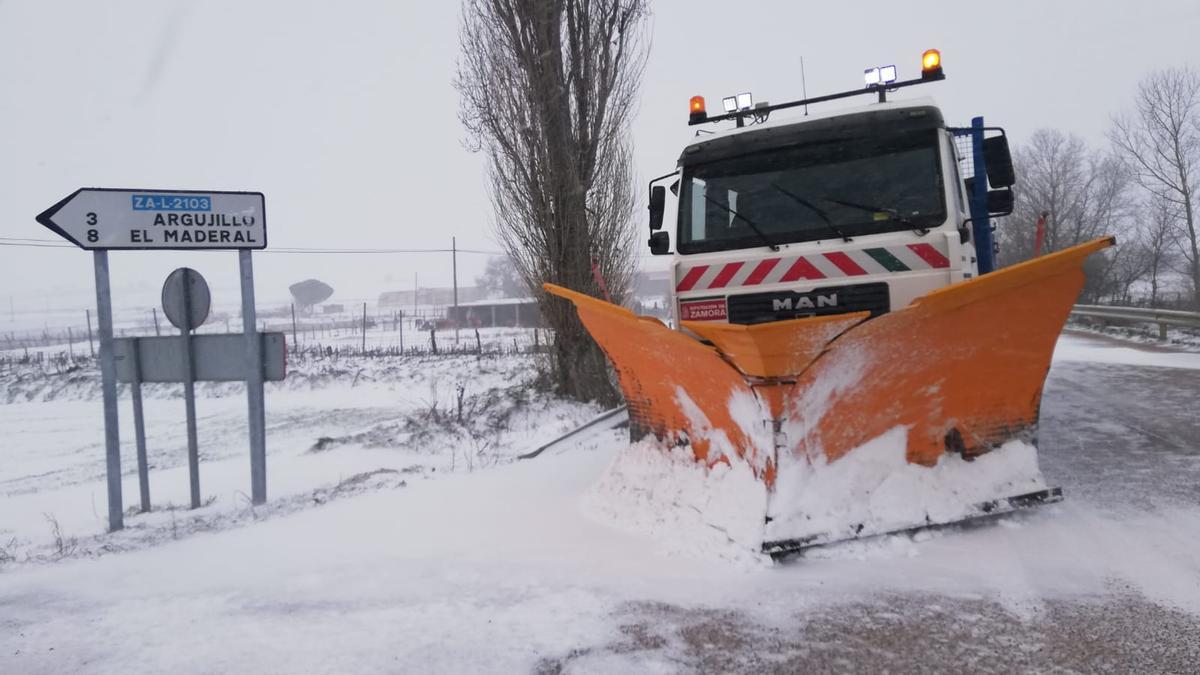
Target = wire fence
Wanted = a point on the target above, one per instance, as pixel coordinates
(57, 363)
(423, 344)
(391, 327)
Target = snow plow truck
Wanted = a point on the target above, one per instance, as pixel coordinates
(838, 322)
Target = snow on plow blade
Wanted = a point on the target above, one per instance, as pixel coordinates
(921, 416)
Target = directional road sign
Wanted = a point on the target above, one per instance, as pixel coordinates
(104, 218)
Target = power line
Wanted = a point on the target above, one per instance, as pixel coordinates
(5, 242)
(50, 243)
(295, 250)
(375, 250)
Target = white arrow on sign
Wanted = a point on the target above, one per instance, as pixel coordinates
(105, 218)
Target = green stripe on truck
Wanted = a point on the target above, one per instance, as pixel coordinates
(890, 262)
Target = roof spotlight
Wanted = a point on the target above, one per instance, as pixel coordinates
(745, 101)
(882, 75)
(730, 103)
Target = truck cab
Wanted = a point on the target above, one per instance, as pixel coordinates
(864, 209)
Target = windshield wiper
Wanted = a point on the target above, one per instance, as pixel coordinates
(766, 240)
(816, 209)
(893, 213)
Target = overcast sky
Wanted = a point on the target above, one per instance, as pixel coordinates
(343, 113)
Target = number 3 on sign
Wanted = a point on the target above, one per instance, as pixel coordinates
(92, 235)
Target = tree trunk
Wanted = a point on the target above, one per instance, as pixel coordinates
(1190, 221)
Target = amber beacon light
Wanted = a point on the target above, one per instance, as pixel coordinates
(931, 63)
(696, 108)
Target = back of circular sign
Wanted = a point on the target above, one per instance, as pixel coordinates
(185, 299)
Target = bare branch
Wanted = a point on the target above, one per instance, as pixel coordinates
(1160, 142)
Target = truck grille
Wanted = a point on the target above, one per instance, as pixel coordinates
(754, 308)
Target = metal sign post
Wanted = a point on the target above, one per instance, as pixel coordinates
(108, 385)
(189, 403)
(100, 219)
(254, 383)
(139, 432)
(186, 302)
(454, 273)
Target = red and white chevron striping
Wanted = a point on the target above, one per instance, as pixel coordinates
(833, 265)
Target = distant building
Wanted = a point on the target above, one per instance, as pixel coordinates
(652, 292)
(652, 284)
(428, 296)
(521, 312)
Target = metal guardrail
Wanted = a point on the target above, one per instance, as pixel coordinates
(1162, 317)
(611, 416)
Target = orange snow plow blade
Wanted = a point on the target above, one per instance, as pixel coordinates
(776, 349)
(962, 367)
(959, 371)
(675, 387)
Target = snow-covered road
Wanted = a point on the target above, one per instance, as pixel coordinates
(498, 571)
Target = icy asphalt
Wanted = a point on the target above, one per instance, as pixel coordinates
(496, 572)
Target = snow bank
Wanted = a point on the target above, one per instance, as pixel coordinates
(1091, 350)
(875, 486)
(394, 418)
(720, 511)
(689, 509)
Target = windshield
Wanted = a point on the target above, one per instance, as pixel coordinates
(825, 190)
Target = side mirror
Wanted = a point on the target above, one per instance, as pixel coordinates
(660, 243)
(998, 161)
(658, 203)
(1000, 202)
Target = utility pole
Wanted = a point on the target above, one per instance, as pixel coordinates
(416, 292)
(89, 324)
(803, 85)
(454, 270)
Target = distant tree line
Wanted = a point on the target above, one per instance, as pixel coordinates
(1140, 186)
(500, 279)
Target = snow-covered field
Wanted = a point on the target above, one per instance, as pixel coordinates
(336, 426)
(401, 537)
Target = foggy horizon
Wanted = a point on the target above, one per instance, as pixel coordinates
(346, 117)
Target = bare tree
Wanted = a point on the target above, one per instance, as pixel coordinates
(547, 89)
(1160, 236)
(500, 279)
(1083, 193)
(1114, 277)
(1051, 171)
(1160, 141)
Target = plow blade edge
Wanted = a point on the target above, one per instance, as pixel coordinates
(958, 372)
